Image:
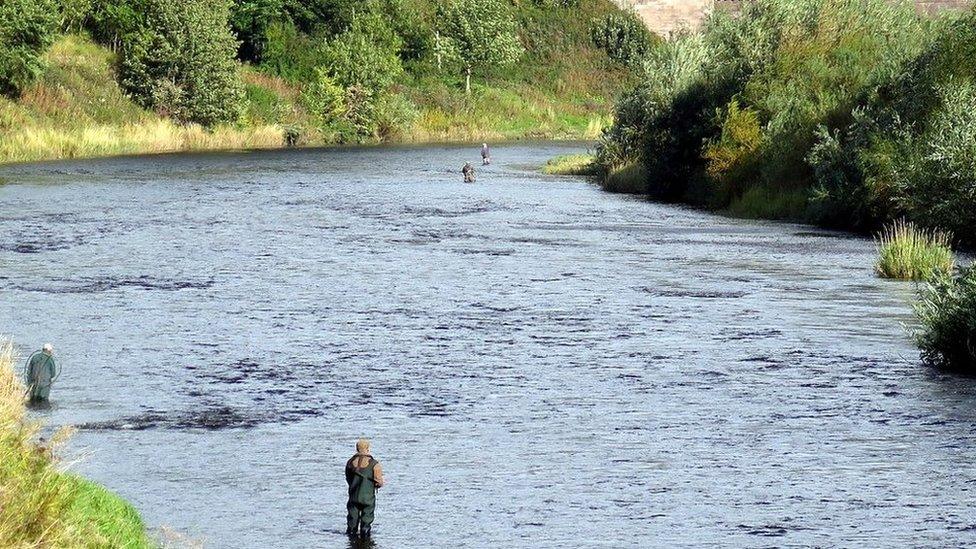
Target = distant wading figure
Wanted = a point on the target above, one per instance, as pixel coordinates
(485, 154)
(468, 171)
(363, 475)
(40, 372)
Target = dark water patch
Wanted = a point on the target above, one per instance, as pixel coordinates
(93, 285)
(695, 294)
(210, 419)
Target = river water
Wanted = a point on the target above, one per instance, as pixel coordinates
(538, 363)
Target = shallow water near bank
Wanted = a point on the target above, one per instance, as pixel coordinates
(537, 362)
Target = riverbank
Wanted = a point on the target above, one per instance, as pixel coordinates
(846, 115)
(850, 116)
(41, 505)
(562, 88)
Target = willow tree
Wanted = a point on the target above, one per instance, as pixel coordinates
(482, 34)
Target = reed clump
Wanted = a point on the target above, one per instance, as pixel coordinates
(907, 252)
(41, 505)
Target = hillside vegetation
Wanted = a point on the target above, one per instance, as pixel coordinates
(110, 77)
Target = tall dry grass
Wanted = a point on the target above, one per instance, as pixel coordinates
(155, 136)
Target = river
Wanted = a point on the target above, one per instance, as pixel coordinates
(538, 363)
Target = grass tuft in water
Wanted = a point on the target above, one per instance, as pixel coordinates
(40, 504)
(907, 252)
(946, 310)
(571, 164)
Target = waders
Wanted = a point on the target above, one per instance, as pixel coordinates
(362, 496)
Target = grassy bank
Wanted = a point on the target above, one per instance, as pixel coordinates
(561, 88)
(40, 504)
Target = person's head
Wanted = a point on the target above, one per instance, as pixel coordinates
(48, 348)
(484, 145)
(362, 446)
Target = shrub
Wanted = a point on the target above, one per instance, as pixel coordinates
(27, 29)
(947, 312)
(624, 37)
(183, 62)
(325, 99)
(906, 252)
(290, 54)
(629, 178)
(393, 113)
(366, 55)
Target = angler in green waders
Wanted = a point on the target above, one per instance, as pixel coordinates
(364, 475)
(40, 373)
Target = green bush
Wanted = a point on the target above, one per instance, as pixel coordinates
(366, 55)
(947, 313)
(623, 36)
(290, 54)
(755, 100)
(182, 63)
(27, 29)
(325, 99)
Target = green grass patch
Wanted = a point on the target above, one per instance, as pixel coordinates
(631, 179)
(906, 252)
(571, 164)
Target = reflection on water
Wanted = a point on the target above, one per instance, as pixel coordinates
(536, 362)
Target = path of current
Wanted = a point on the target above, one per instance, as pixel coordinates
(538, 363)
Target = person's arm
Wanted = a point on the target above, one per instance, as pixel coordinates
(52, 368)
(378, 475)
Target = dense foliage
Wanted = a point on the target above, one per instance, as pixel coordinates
(846, 113)
(624, 37)
(947, 311)
(27, 28)
(482, 34)
(182, 62)
(281, 66)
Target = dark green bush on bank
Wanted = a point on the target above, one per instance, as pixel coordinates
(947, 311)
(183, 64)
(862, 110)
(910, 150)
(27, 28)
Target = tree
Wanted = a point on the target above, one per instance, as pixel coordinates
(183, 62)
(483, 34)
(27, 29)
(250, 20)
